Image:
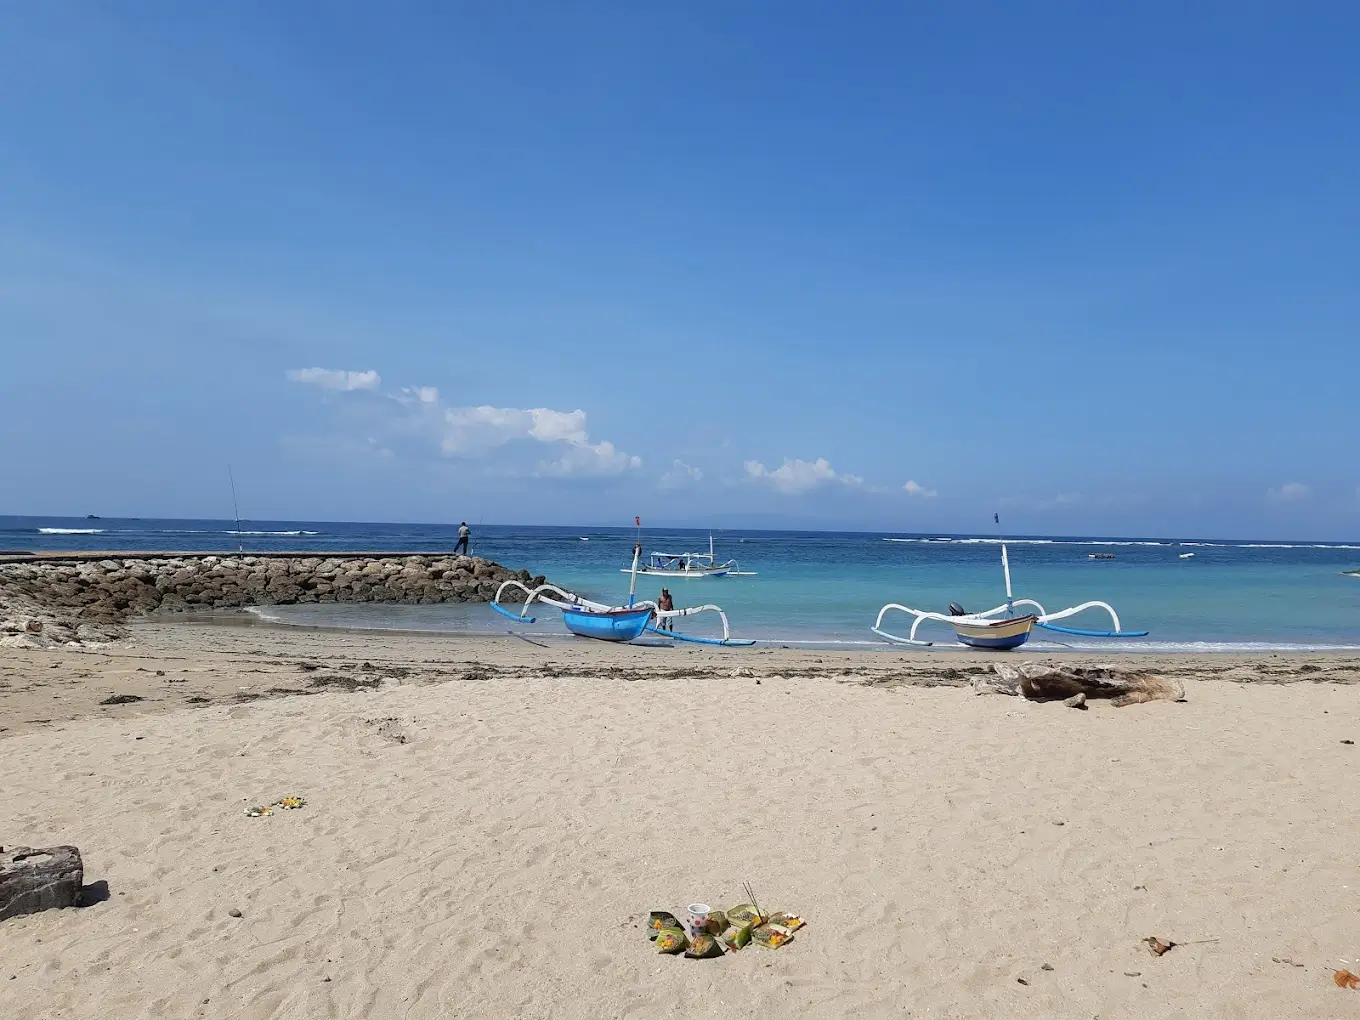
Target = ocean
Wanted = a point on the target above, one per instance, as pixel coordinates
(825, 587)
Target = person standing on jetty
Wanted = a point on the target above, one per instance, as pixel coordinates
(464, 533)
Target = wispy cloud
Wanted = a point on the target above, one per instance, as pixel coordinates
(795, 476)
(418, 414)
(335, 378)
(470, 430)
(589, 459)
(913, 488)
(366, 450)
(418, 395)
(680, 476)
(1289, 492)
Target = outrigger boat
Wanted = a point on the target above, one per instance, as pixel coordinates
(663, 564)
(1000, 628)
(590, 619)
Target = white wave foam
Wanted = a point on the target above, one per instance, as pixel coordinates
(1126, 542)
(1190, 646)
(822, 642)
(70, 531)
(1024, 541)
(1313, 545)
(271, 533)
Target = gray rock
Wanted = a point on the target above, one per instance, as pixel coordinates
(33, 880)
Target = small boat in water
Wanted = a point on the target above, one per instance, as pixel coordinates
(1186, 556)
(587, 618)
(1000, 628)
(664, 564)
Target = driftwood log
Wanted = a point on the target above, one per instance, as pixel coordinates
(1052, 683)
(33, 880)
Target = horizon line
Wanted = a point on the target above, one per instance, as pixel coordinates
(1017, 536)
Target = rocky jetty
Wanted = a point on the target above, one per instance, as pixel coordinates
(51, 601)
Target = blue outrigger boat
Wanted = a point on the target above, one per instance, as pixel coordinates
(1000, 629)
(627, 623)
(608, 624)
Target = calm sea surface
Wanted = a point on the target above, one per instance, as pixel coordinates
(826, 587)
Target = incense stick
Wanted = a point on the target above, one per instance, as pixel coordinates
(751, 895)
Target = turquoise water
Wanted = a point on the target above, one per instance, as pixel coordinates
(827, 587)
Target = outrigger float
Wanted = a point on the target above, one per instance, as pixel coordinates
(596, 620)
(1000, 628)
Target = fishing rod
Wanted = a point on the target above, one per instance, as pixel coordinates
(235, 509)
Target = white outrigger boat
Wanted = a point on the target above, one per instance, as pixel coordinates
(586, 618)
(663, 564)
(1000, 628)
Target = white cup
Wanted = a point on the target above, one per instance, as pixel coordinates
(696, 918)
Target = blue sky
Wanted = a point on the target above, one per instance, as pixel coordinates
(876, 265)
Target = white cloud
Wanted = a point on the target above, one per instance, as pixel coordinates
(680, 475)
(417, 413)
(587, 459)
(1290, 492)
(913, 488)
(474, 431)
(477, 429)
(335, 379)
(794, 476)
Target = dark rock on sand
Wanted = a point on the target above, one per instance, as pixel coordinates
(33, 880)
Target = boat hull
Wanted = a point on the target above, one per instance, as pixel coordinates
(614, 625)
(999, 636)
(653, 572)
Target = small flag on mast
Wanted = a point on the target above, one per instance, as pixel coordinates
(996, 518)
(637, 521)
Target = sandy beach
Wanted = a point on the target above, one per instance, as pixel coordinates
(487, 823)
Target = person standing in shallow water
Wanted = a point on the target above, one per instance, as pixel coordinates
(665, 602)
(464, 533)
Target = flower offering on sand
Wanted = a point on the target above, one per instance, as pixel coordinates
(660, 919)
(670, 940)
(745, 915)
(704, 947)
(707, 934)
(770, 936)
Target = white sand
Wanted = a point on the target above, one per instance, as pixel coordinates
(500, 861)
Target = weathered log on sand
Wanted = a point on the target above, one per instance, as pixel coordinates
(1054, 683)
(33, 880)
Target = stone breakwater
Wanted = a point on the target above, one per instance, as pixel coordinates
(46, 602)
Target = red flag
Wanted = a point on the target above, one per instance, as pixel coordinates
(637, 521)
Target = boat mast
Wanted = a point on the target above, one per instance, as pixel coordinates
(637, 551)
(1005, 562)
